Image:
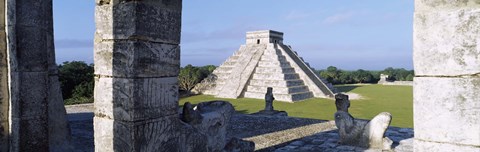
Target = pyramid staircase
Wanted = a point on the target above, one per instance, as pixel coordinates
(275, 71)
(265, 62)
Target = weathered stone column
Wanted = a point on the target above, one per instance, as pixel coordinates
(137, 60)
(27, 30)
(4, 94)
(447, 82)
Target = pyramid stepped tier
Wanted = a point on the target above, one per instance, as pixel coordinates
(265, 62)
(287, 85)
(281, 97)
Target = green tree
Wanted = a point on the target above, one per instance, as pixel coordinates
(76, 77)
(188, 77)
(362, 76)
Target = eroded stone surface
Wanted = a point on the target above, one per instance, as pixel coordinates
(449, 104)
(447, 82)
(445, 42)
(137, 60)
(141, 99)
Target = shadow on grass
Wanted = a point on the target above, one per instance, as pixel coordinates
(346, 88)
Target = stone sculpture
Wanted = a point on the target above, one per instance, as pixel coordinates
(190, 115)
(269, 110)
(205, 125)
(269, 99)
(358, 132)
(342, 102)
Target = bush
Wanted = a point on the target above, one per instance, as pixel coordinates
(76, 80)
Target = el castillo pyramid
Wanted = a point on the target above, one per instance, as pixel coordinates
(264, 61)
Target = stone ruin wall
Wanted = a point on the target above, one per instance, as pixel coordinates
(447, 81)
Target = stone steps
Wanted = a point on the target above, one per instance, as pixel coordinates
(223, 69)
(228, 64)
(281, 97)
(277, 83)
(274, 64)
(275, 76)
(274, 70)
(278, 90)
(273, 58)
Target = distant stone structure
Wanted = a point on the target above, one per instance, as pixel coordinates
(265, 62)
(384, 81)
(358, 132)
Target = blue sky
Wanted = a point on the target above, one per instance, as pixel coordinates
(349, 34)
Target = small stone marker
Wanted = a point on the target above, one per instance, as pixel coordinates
(269, 110)
(269, 99)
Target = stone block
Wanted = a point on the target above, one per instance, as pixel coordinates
(33, 134)
(447, 110)
(133, 59)
(33, 94)
(419, 145)
(157, 21)
(151, 135)
(31, 49)
(136, 99)
(31, 13)
(446, 42)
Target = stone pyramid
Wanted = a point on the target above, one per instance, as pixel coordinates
(265, 62)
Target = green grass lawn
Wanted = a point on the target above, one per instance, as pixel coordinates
(398, 100)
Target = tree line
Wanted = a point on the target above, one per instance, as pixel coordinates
(77, 78)
(337, 76)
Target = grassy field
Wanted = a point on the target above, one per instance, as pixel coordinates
(398, 100)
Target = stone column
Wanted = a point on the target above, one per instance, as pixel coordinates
(447, 81)
(137, 60)
(27, 31)
(4, 94)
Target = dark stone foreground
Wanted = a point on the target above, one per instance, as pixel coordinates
(278, 134)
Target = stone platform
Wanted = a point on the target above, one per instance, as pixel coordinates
(279, 134)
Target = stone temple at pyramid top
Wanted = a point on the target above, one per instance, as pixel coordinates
(264, 61)
(264, 37)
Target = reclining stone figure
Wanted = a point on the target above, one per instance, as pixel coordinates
(362, 133)
(205, 125)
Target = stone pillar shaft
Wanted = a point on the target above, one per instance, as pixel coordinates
(447, 81)
(137, 60)
(4, 94)
(28, 32)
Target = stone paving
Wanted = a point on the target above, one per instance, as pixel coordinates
(327, 142)
(278, 134)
